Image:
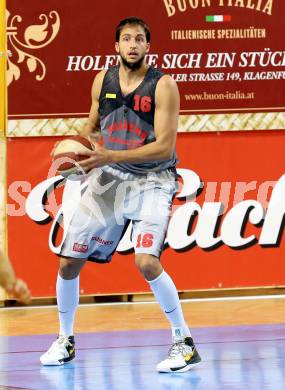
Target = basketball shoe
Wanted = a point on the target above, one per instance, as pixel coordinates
(61, 351)
(182, 356)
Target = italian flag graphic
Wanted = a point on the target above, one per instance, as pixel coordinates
(218, 18)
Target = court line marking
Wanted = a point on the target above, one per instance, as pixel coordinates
(219, 299)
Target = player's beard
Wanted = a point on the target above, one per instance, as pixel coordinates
(132, 65)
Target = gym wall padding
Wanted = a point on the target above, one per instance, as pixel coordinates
(236, 168)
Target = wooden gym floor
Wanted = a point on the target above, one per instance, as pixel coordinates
(241, 341)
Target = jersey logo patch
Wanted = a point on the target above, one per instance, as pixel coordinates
(110, 95)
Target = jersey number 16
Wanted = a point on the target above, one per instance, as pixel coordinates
(142, 103)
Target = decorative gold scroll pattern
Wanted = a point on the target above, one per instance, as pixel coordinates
(23, 43)
(187, 123)
(232, 122)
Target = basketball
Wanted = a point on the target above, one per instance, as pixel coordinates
(67, 154)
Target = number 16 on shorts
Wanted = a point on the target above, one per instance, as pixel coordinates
(144, 240)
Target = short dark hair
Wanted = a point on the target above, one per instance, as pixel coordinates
(132, 20)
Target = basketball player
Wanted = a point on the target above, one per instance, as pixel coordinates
(15, 287)
(136, 108)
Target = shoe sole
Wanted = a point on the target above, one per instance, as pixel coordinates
(184, 369)
(59, 362)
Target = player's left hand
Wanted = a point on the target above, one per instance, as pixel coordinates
(96, 158)
(17, 289)
(20, 291)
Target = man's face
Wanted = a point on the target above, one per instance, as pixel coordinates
(132, 46)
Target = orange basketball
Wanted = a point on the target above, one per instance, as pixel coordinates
(68, 152)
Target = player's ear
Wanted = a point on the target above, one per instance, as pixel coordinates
(117, 47)
(147, 47)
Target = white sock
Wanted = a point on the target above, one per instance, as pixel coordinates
(166, 295)
(67, 292)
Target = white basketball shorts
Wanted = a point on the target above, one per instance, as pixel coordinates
(114, 198)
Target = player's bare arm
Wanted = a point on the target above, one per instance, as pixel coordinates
(92, 129)
(165, 125)
(92, 124)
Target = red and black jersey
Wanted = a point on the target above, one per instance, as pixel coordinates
(127, 121)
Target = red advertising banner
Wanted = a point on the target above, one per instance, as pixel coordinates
(225, 231)
(226, 55)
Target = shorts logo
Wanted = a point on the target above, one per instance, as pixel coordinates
(145, 240)
(101, 241)
(80, 248)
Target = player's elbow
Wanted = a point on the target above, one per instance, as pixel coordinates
(166, 152)
(165, 146)
(168, 155)
(87, 130)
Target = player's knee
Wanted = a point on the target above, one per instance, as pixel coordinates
(70, 268)
(148, 265)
